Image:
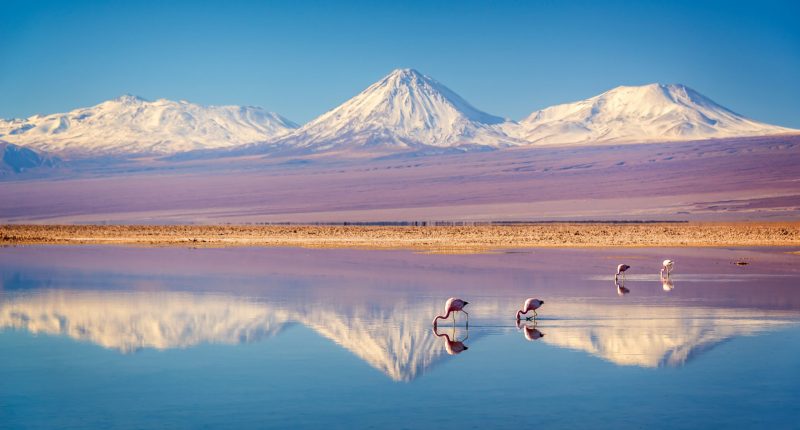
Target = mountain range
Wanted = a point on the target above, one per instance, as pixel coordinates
(403, 111)
(130, 125)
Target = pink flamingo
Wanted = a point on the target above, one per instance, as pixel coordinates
(621, 269)
(667, 266)
(530, 305)
(452, 305)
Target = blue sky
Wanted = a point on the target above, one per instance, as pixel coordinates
(302, 58)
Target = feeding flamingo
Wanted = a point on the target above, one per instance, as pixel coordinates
(530, 305)
(621, 269)
(667, 266)
(452, 306)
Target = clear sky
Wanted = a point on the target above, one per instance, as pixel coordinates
(302, 58)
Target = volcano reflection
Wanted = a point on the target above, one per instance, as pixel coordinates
(393, 337)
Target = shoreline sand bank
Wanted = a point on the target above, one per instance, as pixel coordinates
(480, 238)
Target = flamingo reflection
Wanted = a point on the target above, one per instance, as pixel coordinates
(452, 345)
(530, 331)
(666, 283)
(621, 290)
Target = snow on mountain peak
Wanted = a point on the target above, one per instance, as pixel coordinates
(132, 125)
(129, 99)
(403, 109)
(407, 81)
(637, 114)
(405, 72)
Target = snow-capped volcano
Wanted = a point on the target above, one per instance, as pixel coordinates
(132, 125)
(654, 112)
(405, 109)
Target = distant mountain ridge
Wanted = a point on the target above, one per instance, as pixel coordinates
(405, 111)
(132, 125)
(639, 114)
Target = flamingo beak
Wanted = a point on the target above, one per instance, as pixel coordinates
(466, 303)
(466, 347)
(541, 301)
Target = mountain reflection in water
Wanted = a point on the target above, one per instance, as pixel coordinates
(394, 337)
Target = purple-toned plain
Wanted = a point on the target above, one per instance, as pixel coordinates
(726, 179)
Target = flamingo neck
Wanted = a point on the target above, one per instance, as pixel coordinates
(444, 335)
(444, 317)
(519, 313)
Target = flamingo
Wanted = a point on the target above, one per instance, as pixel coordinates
(530, 305)
(621, 269)
(667, 266)
(452, 305)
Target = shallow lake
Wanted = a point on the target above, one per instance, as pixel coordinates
(114, 337)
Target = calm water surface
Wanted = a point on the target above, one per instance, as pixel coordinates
(112, 337)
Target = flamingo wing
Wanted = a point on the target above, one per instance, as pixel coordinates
(527, 306)
(532, 304)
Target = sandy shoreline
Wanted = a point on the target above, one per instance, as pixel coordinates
(480, 238)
